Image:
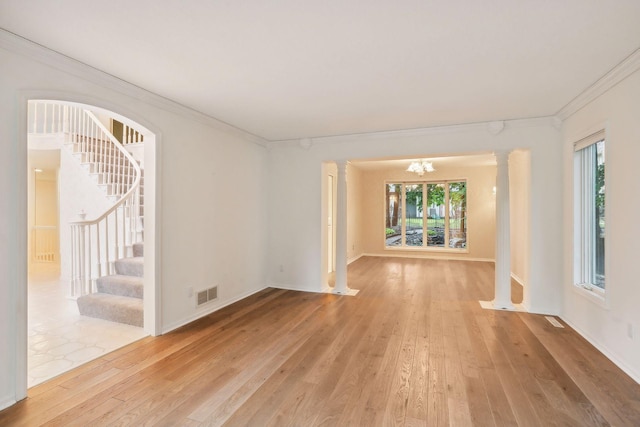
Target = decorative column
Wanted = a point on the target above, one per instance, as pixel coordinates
(502, 300)
(341, 230)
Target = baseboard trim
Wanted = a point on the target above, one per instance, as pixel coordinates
(427, 256)
(602, 349)
(325, 289)
(354, 259)
(6, 402)
(208, 311)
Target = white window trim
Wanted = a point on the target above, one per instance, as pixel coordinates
(589, 291)
(424, 248)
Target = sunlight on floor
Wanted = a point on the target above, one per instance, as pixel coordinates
(60, 338)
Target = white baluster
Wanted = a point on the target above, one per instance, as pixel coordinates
(44, 122)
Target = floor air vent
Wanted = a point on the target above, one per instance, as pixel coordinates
(207, 295)
(554, 321)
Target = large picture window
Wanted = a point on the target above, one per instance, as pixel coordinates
(426, 214)
(589, 212)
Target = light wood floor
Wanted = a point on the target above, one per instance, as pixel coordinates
(412, 348)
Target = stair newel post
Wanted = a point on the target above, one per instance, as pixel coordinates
(82, 259)
(79, 260)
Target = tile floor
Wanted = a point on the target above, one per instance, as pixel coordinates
(60, 338)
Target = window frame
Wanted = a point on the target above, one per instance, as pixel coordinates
(425, 248)
(583, 222)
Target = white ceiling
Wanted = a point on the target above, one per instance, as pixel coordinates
(287, 69)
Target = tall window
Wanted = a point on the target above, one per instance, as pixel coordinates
(426, 214)
(589, 212)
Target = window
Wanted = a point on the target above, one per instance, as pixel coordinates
(437, 210)
(589, 212)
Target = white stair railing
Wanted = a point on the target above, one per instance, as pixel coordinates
(130, 136)
(48, 117)
(97, 243)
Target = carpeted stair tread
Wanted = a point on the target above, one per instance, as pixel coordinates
(117, 284)
(116, 308)
(130, 266)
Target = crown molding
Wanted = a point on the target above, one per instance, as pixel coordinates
(487, 127)
(24, 47)
(630, 65)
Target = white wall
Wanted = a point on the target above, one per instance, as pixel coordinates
(212, 189)
(607, 326)
(480, 211)
(295, 181)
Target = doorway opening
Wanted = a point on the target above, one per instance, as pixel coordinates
(91, 209)
(444, 212)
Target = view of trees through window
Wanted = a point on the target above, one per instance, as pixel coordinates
(440, 214)
(590, 213)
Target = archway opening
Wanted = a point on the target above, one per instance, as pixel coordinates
(90, 229)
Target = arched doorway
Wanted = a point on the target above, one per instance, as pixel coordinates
(100, 156)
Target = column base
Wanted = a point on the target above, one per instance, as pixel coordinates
(493, 305)
(347, 291)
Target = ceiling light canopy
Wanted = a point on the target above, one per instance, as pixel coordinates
(421, 167)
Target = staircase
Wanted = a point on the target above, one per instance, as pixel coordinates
(119, 297)
(108, 279)
(107, 262)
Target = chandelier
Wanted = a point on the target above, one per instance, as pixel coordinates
(421, 167)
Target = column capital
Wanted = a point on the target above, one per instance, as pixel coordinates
(502, 156)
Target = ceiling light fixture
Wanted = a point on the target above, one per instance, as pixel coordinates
(421, 167)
